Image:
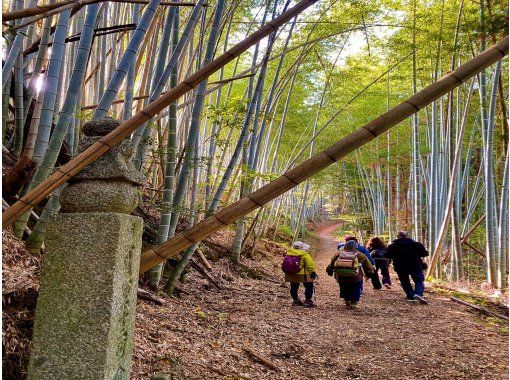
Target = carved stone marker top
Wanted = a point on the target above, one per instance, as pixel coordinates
(110, 183)
(117, 164)
(100, 127)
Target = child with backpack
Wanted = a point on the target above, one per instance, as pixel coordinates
(349, 267)
(376, 283)
(299, 267)
(377, 250)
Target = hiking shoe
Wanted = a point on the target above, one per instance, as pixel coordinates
(297, 302)
(348, 303)
(387, 286)
(410, 300)
(421, 299)
(355, 305)
(310, 303)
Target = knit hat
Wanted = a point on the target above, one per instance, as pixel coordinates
(350, 245)
(350, 237)
(301, 245)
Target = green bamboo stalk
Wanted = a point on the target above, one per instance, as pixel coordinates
(51, 87)
(18, 102)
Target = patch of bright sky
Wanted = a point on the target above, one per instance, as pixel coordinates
(356, 44)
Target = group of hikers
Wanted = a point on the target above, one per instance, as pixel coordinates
(353, 263)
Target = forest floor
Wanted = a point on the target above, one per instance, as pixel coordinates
(208, 334)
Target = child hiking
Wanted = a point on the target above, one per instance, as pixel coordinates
(374, 278)
(349, 266)
(299, 267)
(377, 250)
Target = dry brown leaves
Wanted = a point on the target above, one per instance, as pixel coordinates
(20, 284)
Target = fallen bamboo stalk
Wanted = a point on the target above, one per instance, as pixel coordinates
(494, 302)
(206, 275)
(479, 308)
(106, 143)
(323, 159)
(41, 9)
(268, 363)
(5, 205)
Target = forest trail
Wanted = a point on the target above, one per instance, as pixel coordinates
(386, 338)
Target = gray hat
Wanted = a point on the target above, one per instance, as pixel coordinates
(301, 245)
(350, 245)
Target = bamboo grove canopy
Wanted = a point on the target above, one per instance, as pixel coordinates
(106, 143)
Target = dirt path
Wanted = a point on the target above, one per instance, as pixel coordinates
(385, 339)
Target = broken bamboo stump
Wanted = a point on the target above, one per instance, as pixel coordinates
(148, 296)
(203, 259)
(17, 177)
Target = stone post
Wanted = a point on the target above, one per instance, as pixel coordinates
(84, 321)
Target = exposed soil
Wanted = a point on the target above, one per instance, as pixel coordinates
(205, 333)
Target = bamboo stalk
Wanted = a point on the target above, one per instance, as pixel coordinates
(472, 229)
(106, 143)
(479, 308)
(42, 9)
(323, 159)
(118, 101)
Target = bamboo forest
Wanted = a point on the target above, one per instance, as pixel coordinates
(174, 171)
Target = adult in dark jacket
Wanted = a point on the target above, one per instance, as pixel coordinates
(407, 257)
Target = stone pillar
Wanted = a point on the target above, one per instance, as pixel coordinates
(85, 312)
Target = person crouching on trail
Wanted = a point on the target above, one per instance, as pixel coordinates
(299, 267)
(376, 283)
(349, 266)
(407, 260)
(377, 250)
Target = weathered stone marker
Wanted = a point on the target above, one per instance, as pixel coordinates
(85, 312)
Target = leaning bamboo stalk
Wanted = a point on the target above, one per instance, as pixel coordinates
(324, 159)
(44, 10)
(472, 229)
(118, 101)
(106, 143)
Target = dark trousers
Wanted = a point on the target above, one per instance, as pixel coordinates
(294, 286)
(385, 273)
(376, 283)
(418, 279)
(351, 290)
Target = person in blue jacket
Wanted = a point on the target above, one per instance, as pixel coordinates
(376, 282)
